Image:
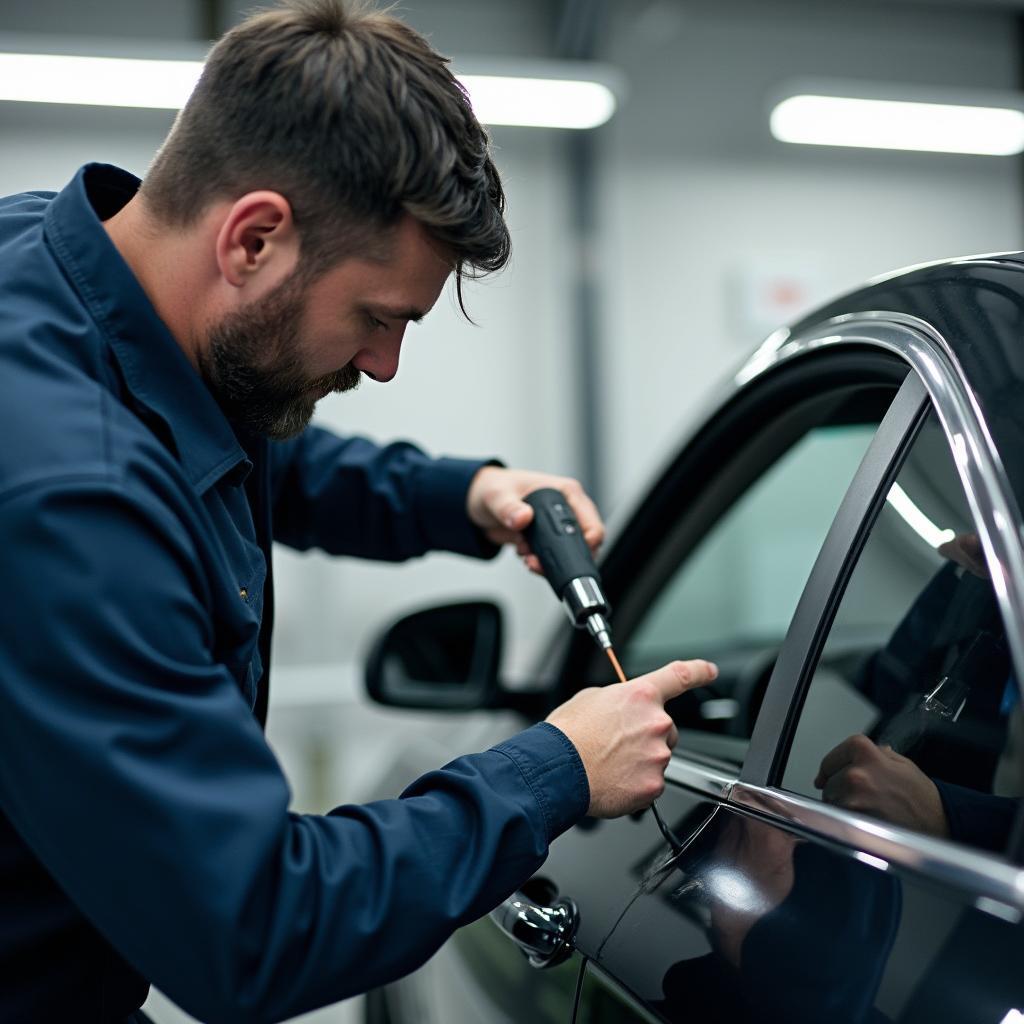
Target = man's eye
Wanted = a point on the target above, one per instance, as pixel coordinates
(377, 325)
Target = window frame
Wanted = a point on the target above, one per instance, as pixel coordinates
(630, 560)
(936, 382)
(812, 620)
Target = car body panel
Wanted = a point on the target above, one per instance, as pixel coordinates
(777, 907)
(759, 922)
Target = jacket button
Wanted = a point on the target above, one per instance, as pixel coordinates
(243, 594)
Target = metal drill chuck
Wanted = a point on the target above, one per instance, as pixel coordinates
(587, 607)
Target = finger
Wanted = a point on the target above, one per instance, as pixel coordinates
(587, 514)
(679, 676)
(673, 737)
(532, 562)
(512, 512)
(966, 551)
(842, 755)
(830, 792)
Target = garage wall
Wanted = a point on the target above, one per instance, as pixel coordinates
(698, 208)
(701, 207)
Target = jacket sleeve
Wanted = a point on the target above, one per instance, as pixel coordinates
(349, 496)
(977, 819)
(136, 773)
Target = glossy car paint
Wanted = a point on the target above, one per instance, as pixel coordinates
(775, 911)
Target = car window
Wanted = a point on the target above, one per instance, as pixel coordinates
(730, 597)
(912, 714)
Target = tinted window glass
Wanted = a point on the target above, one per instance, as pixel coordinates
(913, 708)
(741, 585)
(731, 596)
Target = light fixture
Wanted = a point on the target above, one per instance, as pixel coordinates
(879, 116)
(539, 102)
(97, 81)
(916, 519)
(565, 99)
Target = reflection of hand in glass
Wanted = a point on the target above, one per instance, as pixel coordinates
(751, 875)
(965, 550)
(861, 776)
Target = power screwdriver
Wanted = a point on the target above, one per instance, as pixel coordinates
(555, 537)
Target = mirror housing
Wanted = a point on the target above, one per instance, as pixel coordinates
(442, 659)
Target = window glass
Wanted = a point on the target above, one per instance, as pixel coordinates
(731, 597)
(912, 709)
(742, 583)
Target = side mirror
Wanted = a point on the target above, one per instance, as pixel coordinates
(444, 658)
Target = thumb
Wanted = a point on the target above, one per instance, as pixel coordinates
(514, 514)
(679, 676)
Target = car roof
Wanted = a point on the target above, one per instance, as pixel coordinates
(975, 304)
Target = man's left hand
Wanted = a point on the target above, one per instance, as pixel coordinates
(495, 504)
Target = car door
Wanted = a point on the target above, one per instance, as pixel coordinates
(732, 480)
(784, 907)
(771, 436)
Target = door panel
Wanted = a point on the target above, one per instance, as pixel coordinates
(602, 865)
(604, 1002)
(757, 923)
(480, 975)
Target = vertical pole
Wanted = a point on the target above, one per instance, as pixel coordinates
(209, 26)
(576, 36)
(586, 350)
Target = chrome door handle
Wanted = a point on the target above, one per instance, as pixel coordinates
(544, 934)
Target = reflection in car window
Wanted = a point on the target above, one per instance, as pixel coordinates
(912, 715)
(732, 598)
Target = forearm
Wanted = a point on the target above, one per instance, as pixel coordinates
(135, 773)
(351, 497)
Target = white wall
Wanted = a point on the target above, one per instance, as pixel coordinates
(697, 196)
(694, 199)
(496, 389)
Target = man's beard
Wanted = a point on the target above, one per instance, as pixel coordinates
(251, 364)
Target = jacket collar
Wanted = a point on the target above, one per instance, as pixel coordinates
(156, 370)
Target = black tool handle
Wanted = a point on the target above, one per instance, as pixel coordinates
(557, 540)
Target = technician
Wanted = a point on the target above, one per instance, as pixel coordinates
(162, 348)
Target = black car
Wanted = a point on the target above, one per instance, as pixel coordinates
(843, 536)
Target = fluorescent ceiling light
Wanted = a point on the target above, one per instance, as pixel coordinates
(916, 519)
(539, 102)
(166, 85)
(899, 124)
(97, 81)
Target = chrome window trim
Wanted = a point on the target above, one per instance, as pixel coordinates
(977, 461)
(700, 778)
(989, 880)
(998, 887)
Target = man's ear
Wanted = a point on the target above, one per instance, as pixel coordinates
(257, 241)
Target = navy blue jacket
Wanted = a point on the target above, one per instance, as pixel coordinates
(144, 825)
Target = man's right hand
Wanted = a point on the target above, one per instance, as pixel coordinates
(862, 776)
(625, 737)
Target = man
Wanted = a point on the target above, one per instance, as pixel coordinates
(162, 351)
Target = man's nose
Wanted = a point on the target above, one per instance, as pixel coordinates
(380, 361)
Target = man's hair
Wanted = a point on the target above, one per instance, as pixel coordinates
(354, 118)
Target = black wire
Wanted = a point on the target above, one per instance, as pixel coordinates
(670, 836)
